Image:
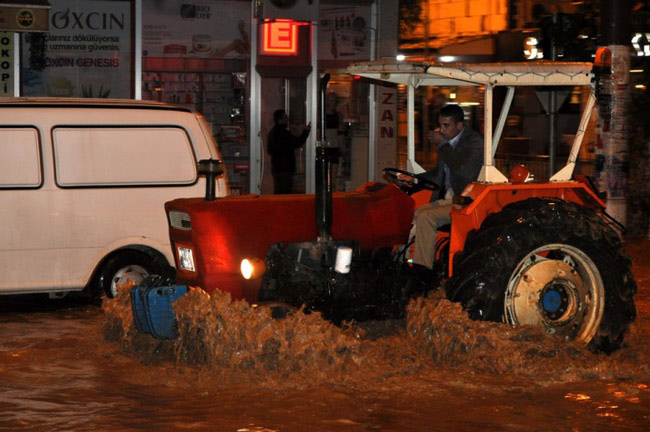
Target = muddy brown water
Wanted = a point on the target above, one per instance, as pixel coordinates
(69, 366)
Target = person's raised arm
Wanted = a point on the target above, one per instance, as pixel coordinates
(298, 141)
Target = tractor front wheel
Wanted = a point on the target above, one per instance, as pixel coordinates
(552, 264)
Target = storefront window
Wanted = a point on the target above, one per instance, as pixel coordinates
(344, 37)
(198, 55)
(346, 127)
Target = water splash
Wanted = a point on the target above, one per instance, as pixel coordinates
(233, 336)
(238, 342)
(441, 331)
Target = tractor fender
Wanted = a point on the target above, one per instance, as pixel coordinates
(485, 199)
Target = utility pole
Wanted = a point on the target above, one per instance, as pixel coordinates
(613, 127)
(552, 109)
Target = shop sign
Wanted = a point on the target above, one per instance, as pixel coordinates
(280, 38)
(6, 64)
(86, 53)
(24, 18)
(641, 44)
(387, 129)
(532, 50)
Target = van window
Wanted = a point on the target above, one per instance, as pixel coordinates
(123, 156)
(20, 159)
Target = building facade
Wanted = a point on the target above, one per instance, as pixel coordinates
(234, 61)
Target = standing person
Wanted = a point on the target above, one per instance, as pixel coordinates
(460, 158)
(281, 145)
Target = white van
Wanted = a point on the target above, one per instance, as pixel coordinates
(83, 184)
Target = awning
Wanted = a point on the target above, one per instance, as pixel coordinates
(29, 16)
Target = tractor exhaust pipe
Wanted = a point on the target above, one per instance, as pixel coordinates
(211, 169)
(322, 87)
(325, 156)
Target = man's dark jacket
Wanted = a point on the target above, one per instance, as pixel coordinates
(464, 162)
(281, 145)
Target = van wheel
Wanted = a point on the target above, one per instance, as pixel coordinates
(128, 268)
(552, 264)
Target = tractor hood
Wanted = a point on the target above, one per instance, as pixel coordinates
(221, 233)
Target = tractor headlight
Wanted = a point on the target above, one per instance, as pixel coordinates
(251, 268)
(186, 258)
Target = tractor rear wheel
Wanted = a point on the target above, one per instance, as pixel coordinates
(548, 263)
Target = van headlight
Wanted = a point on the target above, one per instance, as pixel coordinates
(186, 258)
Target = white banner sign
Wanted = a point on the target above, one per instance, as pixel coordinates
(87, 52)
(344, 33)
(199, 28)
(387, 129)
(7, 72)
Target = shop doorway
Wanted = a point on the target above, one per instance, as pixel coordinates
(289, 94)
(347, 100)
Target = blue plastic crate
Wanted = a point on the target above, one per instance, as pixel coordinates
(139, 309)
(153, 310)
(160, 309)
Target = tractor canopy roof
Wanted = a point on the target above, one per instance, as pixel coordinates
(490, 75)
(495, 74)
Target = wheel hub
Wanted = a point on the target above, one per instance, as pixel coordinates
(557, 298)
(551, 300)
(544, 292)
(562, 294)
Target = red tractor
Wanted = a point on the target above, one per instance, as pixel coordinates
(525, 253)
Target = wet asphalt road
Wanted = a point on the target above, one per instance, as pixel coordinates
(57, 372)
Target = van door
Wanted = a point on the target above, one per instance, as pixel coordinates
(23, 236)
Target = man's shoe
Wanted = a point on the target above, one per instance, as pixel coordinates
(422, 274)
(420, 280)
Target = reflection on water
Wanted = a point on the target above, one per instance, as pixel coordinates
(251, 373)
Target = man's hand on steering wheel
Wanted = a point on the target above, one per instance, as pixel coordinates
(407, 181)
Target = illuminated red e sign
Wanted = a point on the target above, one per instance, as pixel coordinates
(280, 37)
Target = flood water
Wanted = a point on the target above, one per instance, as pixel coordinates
(70, 366)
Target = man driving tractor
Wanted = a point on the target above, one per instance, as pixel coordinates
(460, 157)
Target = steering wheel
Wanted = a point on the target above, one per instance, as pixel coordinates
(411, 184)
